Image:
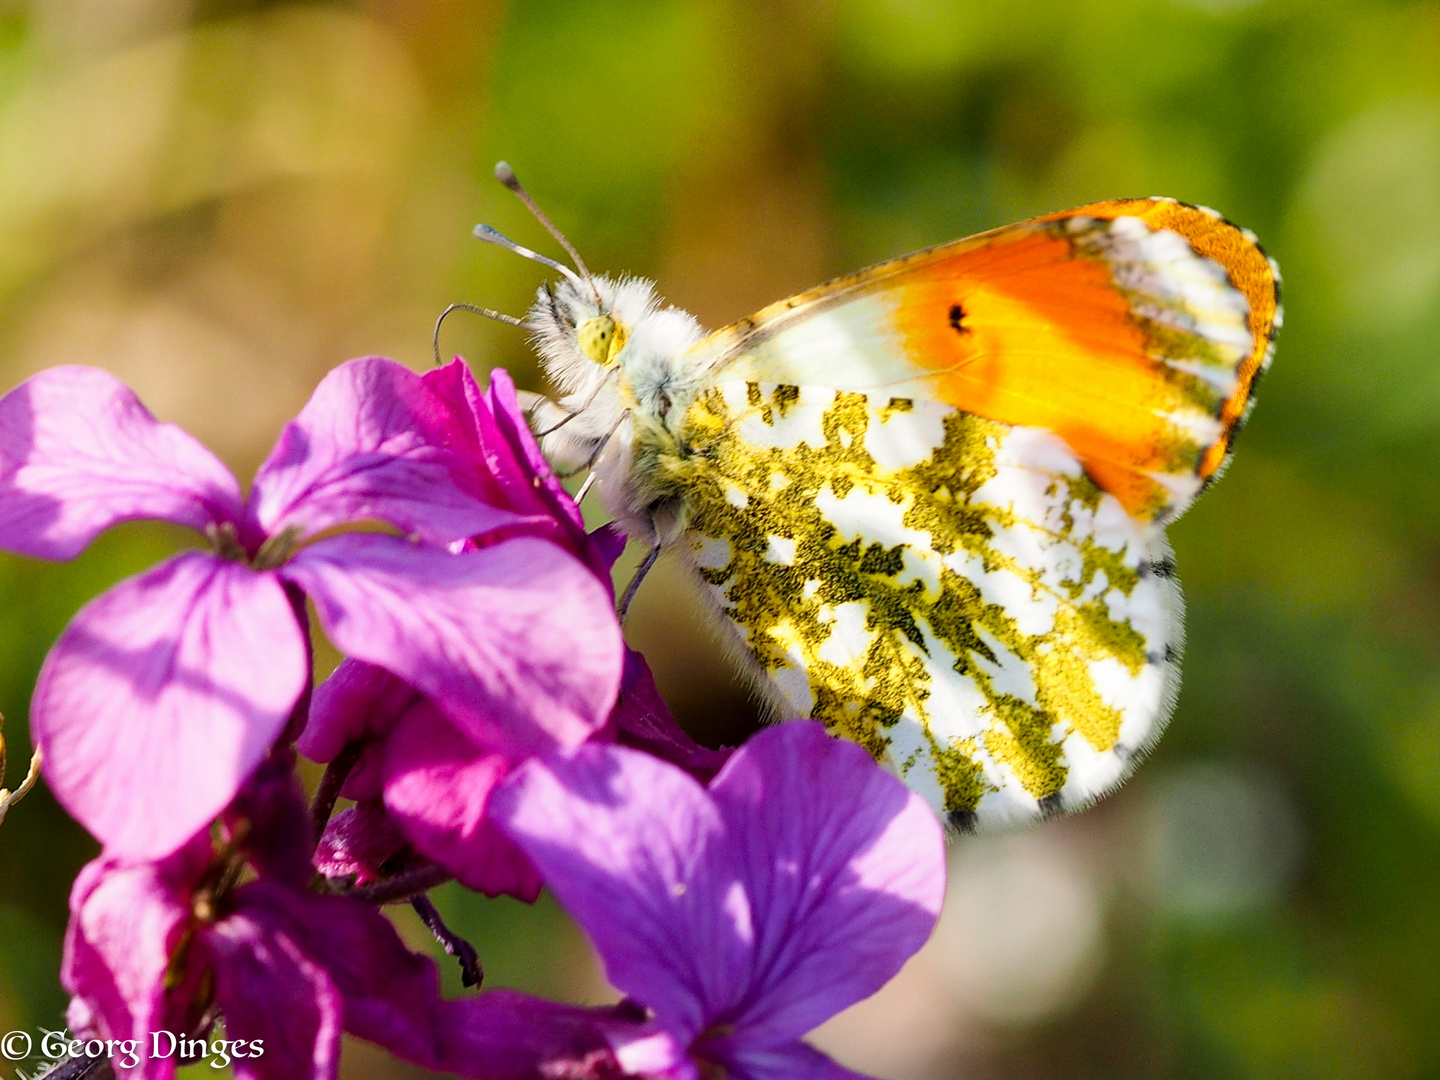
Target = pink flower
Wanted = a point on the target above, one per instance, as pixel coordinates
(154, 946)
(742, 916)
(421, 780)
(165, 693)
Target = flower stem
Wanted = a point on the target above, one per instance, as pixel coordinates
(403, 886)
(330, 784)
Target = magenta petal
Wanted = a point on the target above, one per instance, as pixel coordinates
(509, 470)
(629, 845)
(642, 721)
(373, 442)
(845, 867)
(270, 990)
(126, 922)
(163, 695)
(793, 1061)
(79, 453)
(357, 701)
(506, 1035)
(437, 787)
(270, 822)
(358, 841)
(517, 643)
(391, 995)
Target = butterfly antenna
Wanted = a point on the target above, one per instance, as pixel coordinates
(506, 175)
(492, 236)
(474, 309)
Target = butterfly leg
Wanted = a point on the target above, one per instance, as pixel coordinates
(585, 488)
(599, 449)
(634, 586)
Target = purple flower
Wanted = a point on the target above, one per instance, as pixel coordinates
(741, 916)
(164, 693)
(154, 947)
(419, 779)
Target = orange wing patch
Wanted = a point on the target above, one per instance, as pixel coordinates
(1105, 330)
(1133, 329)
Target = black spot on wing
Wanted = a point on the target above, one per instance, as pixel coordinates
(1052, 806)
(957, 319)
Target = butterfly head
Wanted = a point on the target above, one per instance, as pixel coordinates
(585, 330)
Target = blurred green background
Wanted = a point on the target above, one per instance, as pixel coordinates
(219, 201)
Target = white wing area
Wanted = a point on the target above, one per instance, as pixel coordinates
(953, 593)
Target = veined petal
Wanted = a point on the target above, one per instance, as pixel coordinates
(126, 922)
(357, 701)
(437, 788)
(79, 453)
(517, 643)
(506, 1035)
(357, 841)
(845, 868)
(391, 997)
(372, 443)
(508, 468)
(163, 695)
(793, 1061)
(633, 848)
(271, 991)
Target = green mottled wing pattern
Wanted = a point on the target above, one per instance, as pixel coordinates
(953, 593)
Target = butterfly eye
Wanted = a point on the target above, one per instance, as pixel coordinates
(601, 339)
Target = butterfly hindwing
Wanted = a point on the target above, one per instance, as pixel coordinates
(952, 592)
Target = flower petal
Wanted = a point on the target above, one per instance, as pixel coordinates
(79, 453)
(126, 922)
(269, 821)
(390, 993)
(641, 720)
(163, 695)
(792, 1061)
(506, 1035)
(372, 443)
(517, 643)
(509, 469)
(437, 787)
(270, 990)
(845, 868)
(357, 841)
(629, 845)
(357, 701)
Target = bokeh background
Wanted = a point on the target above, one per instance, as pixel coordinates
(219, 201)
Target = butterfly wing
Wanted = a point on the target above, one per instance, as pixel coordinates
(928, 499)
(1134, 330)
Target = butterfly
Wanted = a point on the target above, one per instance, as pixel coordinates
(927, 501)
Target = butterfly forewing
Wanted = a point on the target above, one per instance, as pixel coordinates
(1133, 330)
(954, 593)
